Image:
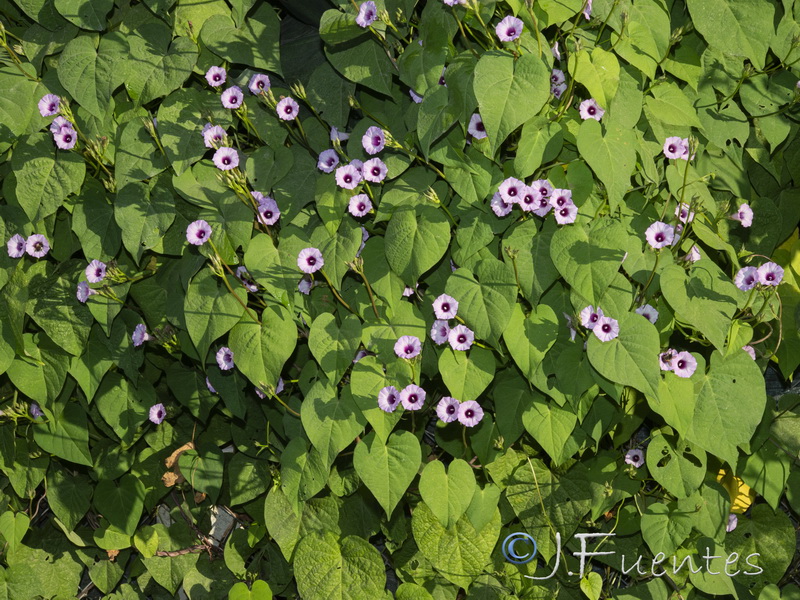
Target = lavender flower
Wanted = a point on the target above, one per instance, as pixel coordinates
(37, 245)
(684, 364)
(258, 83)
(673, 148)
(733, 522)
(198, 232)
(388, 399)
(415, 96)
(590, 109)
(461, 338)
(666, 359)
(683, 213)
(140, 335)
(310, 260)
(288, 109)
(83, 292)
(693, 255)
(463, 2)
(348, 176)
(544, 188)
(226, 158)
(359, 355)
(590, 316)
(470, 413)
(511, 189)
(304, 285)
(509, 29)
(447, 409)
(16, 246)
(60, 123)
(66, 138)
(364, 238)
(48, 105)
(445, 307)
(216, 76)
(659, 234)
(542, 204)
(750, 350)
(770, 274)
(634, 457)
(327, 161)
(412, 397)
(268, 211)
(499, 206)
(232, 97)
(373, 140)
(476, 128)
(35, 410)
(357, 164)
(96, 271)
(243, 276)
(556, 52)
(408, 346)
(440, 332)
(367, 13)
(374, 170)
(744, 215)
(560, 198)
(225, 358)
(746, 278)
(606, 329)
(557, 77)
(558, 90)
(359, 205)
(566, 214)
(279, 387)
(339, 135)
(529, 200)
(648, 312)
(572, 331)
(587, 10)
(409, 291)
(157, 413)
(214, 136)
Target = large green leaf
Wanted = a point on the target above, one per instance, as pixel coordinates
(330, 423)
(551, 426)
(328, 568)
(529, 338)
(68, 495)
(18, 109)
(466, 374)
(254, 43)
(334, 347)
(123, 406)
(611, 155)
(535, 267)
(211, 311)
(66, 434)
(366, 63)
(138, 157)
(509, 91)
(676, 464)
(41, 376)
(86, 14)
(304, 472)
(203, 469)
(144, 213)
(448, 494)
(665, 527)
(598, 71)
(121, 504)
(416, 239)
(93, 222)
(387, 469)
(435, 116)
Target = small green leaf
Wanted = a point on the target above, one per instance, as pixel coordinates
(334, 347)
(416, 240)
(466, 374)
(447, 494)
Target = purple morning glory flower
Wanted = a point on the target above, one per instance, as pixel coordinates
(476, 128)
(542, 205)
(499, 206)
(232, 97)
(243, 276)
(388, 399)
(268, 211)
(447, 409)
(544, 188)
(666, 359)
(348, 177)
(572, 331)
(364, 238)
(529, 199)
(216, 76)
(412, 397)
(225, 358)
(659, 234)
(557, 77)
(606, 329)
(258, 83)
(409, 291)
(304, 285)
(407, 346)
(744, 215)
(37, 245)
(339, 135)
(750, 350)
(35, 410)
(556, 52)
(462, 2)
(685, 155)
(60, 123)
(566, 214)
(590, 316)
(558, 90)
(445, 307)
(359, 205)
(415, 96)
(746, 278)
(684, 364)
(442, 80)
(96, 271)
(310, 260)
(140, 335)
(440, 332)
(209, 386)
(590, 109)
(280, 385)
(374, 170)
(373, 140)
(770, 274)
(648, 312)
(693, 255)
(259, 393)
(511, 189)
(367, 13)
(288, 109)
(470, 413)
(198, 232)
(509, 29)
(327, 161)
(214, 136)
(83, 292)
(673, 148)
(359, 355)
(560, 198)
(226, 158)
(16, 246)
(66, 138)
(48, 105)
(587, 10)
(461, 338)
(357, 164)
(733, 522)
(157, 413)
(635, 457)
(683, 213)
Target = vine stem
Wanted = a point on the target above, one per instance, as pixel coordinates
(228, 284)
(335, 293)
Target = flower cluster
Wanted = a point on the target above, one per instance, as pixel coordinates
(35, 245)
(64, 133)
(268, 211)
(605, 328)
(460, 336)
(467, 413)
(539, 198)
(683, 364)
(767, 275)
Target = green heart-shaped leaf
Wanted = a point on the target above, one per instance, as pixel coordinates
(530, 338)
(467, 374)
(331, 423)
(388, 469)
(256, 43)
(447, 494)
(121, 504)
(334, 347)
